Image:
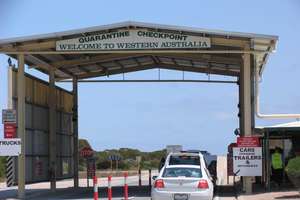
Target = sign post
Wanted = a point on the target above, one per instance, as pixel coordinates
(90, 169)
(247, 157)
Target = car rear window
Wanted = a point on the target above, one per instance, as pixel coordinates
(185, 172)
(184, 160)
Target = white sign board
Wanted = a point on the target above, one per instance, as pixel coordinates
(133, 40)
(10, 147)
(9, 116)
(247, 161)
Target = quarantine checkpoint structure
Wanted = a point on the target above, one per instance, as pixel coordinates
(47, 116)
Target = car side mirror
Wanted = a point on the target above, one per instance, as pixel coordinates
(154, 177)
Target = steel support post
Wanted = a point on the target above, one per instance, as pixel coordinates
(52, 130)
(75, 131)
(21, 126)
(246, 114)
(9, 88)
(241, 107)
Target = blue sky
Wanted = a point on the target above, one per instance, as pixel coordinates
(148, 116)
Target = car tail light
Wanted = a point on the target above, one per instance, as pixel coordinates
(159, 183)
(203, 184)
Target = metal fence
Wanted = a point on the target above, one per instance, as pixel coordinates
(37, 132)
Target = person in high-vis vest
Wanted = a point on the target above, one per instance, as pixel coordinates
(277, 166)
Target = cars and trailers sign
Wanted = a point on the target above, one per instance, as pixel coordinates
(133, 40)
(247, 157)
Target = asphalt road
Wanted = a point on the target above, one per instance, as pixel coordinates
(65, 190)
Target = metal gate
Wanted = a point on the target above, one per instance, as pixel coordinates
(37, 131)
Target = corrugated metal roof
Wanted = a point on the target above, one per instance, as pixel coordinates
(262, 37)
(91, 65)
(290, 124)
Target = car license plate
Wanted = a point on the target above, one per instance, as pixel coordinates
(181, 196)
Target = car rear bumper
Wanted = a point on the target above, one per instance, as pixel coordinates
(169, 195)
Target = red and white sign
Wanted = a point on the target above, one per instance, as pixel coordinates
(10, 130)
(248, 141)
(247, 157)
(86, 152)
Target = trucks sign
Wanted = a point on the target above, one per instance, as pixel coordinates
(10, 147)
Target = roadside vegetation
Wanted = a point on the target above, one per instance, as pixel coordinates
(2, 168)
(149, 160)
(128, 161)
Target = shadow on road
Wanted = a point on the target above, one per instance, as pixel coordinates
(226, 191)
(289, 197)
(87, 193)
(79, 193)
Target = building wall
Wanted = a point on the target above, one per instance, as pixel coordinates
(37, 130)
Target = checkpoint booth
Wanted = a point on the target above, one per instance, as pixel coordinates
(285, 137)
(81, 55)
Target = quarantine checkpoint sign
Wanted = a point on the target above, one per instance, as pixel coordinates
(247, 157)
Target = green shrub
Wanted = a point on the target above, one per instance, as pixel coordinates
(2, 167)
(293, 167)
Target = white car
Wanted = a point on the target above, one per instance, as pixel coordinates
(182, 182)
(186, 158)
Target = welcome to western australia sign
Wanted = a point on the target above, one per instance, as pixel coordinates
(133, 40)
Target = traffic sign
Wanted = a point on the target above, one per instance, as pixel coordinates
(9, 116)
(248, 141)
(10, 147)
(86, 152)
(114, 157)
(10, 130)
(247, 161)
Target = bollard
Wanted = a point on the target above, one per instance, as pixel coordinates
(140, 178)
(150, 178)
(95, 188)
(109, 191)
(125, 186)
